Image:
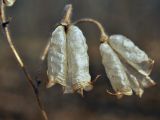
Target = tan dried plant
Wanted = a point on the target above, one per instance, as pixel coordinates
(127, 66)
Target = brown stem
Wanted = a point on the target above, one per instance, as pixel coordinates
(65, 21)
(104, 36)
(67, 15)
(19, 60)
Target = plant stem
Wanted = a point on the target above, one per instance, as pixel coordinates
(45, 52)
(65, 22)
(67, 15)
(19, 60)
(104, 36)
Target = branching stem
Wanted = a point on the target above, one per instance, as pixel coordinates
(18, 58)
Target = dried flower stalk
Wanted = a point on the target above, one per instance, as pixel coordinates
(19, 60)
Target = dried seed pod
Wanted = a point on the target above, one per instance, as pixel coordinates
(137, 80)
(134, 82)
(57, 60)
(69, 86)
(131, 53)
(78, 60)
(115, 70)
(9, 2)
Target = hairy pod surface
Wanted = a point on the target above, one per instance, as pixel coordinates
(57, 59)
(115, 70)
(78, 60)
(131, 53)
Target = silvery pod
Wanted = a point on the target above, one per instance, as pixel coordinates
(133, 78)
(137, 80)
(115, 70)
(78, 60)
(57, 59)
(131, 53)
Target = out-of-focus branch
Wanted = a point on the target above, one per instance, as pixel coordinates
(104, 36)
(45, 52)
(18, 58)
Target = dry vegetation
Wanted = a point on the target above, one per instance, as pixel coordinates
(31, 28)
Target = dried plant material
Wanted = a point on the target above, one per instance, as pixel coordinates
(137, 80)
(134, 82)
(131, 53)
(9, 2)
(57, 60)
(78, 60)
(144, 81)
(115, 70)
(68, 88)
(68, 61)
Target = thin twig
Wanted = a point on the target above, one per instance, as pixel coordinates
(67, 15)
(104, 36)
(66, 20)
(45, 52)
(19, 60)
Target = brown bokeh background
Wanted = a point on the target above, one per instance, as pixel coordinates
(32, 24)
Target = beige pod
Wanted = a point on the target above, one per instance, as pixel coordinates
(57, 60)
(114, 70)
(131, 53)
(78, 60)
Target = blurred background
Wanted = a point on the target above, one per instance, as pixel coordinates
(32, 24)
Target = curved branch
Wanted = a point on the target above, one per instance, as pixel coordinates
(19, 60)
(104, 36)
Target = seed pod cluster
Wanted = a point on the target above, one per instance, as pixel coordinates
(68, 61)
(127, 66)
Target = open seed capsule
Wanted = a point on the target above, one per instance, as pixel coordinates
(115, 70)
(57, 59)
(131, 53)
